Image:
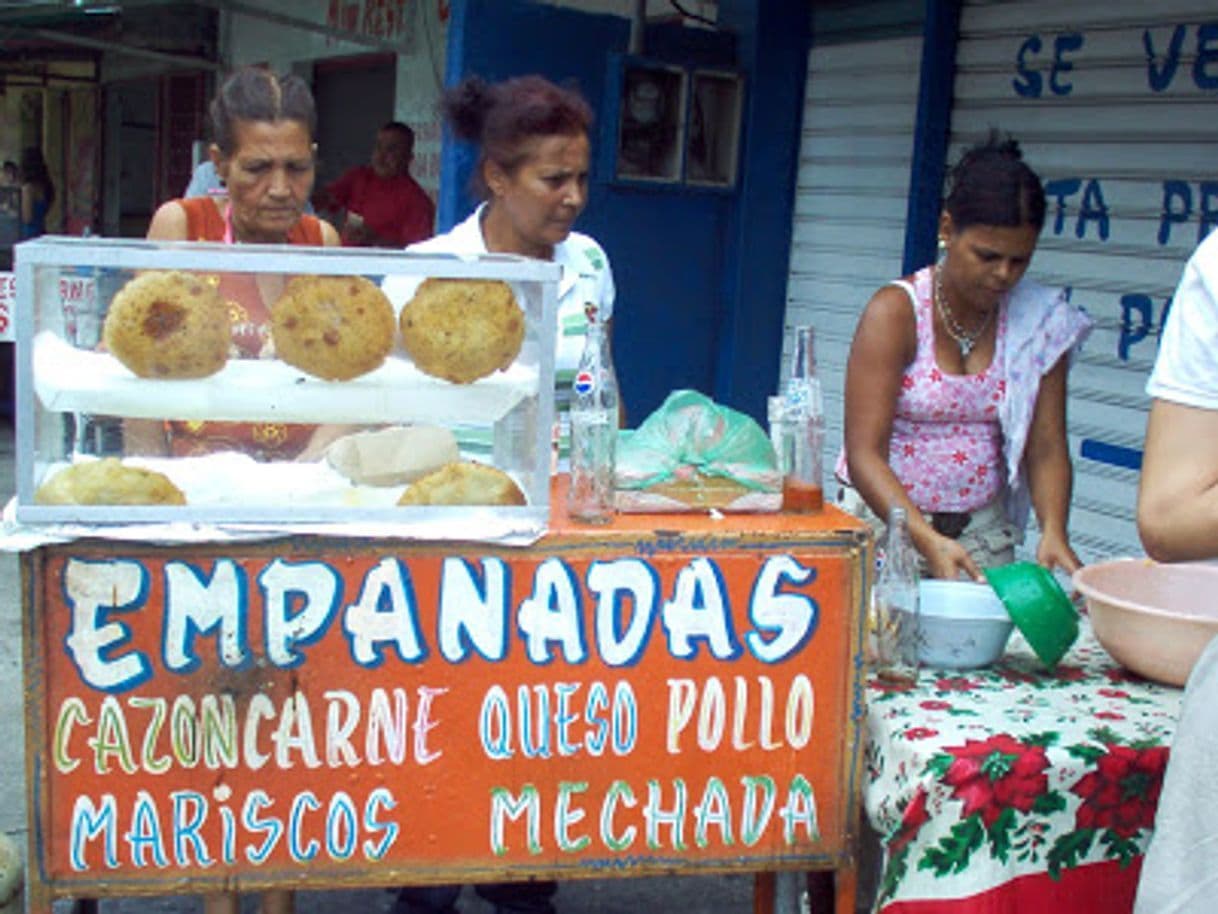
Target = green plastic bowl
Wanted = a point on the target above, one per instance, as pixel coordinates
(1038, 606)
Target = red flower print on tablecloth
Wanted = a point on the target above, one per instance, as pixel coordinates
(1118, 796)
(993, 774)
(1067, 673)
(1004, 787)
(934, 704)
(914, 817)
(1112, 693)
(1012, 674)
(955, 684)
(920, 733)
(889, 687)
(1122, 793)
(1109, 715)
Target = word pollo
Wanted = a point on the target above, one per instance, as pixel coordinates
(713, 706)
(296, 604)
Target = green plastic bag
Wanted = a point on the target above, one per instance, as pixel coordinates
(690, 434)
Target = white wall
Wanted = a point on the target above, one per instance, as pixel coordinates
(851, 198)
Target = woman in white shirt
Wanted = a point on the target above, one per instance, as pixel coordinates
(532, 175)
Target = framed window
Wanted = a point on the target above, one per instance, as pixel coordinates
(714, 129)
(671, 124)
(651, 122)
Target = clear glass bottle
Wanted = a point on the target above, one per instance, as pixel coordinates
(894, 604)
(594, 420)
(801, 436)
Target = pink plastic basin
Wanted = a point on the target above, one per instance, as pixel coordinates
(1154, 619)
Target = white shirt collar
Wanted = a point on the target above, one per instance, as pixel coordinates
(468, 238)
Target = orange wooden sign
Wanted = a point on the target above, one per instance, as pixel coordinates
(437, 713)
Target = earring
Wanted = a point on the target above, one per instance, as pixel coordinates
(942, 253)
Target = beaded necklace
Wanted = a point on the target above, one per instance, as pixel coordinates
(965, 340)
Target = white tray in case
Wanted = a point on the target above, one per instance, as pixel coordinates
(68, 379)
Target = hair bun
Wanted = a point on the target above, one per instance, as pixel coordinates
(465, 107)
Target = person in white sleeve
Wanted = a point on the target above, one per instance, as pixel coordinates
(532, 174)
(1178, 521)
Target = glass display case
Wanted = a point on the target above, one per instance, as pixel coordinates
(331, 385)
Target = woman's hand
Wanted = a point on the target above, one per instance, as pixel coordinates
(1050, 476)
(946, 558)
(1054, 552)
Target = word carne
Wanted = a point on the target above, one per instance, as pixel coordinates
(171, 832)
(153, 734)
(298, 603)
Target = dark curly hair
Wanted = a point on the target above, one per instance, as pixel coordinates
(255, 94)
(992, 185)
(501, 117)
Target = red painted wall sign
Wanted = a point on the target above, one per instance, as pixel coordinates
(439, 715)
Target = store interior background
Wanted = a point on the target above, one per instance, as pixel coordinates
(118, 100)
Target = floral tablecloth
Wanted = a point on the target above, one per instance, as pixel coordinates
(1011, 788)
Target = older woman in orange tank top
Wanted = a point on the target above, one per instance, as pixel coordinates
(264, 152)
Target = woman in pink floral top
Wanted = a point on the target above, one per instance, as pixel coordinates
(956, 382)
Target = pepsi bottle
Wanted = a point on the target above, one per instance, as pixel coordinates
(594, 420)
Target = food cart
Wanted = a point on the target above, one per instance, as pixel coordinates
(292, 681)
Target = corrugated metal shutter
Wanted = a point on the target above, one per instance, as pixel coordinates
(1123, 130)
(851, 198)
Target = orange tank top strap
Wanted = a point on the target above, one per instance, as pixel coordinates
(307, 230)
(204, 221)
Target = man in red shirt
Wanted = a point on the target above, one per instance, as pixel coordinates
(385, 206)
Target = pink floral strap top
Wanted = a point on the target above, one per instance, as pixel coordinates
(946, 443)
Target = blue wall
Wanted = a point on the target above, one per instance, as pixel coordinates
(701, 275)
(774, 51)
(932, 128)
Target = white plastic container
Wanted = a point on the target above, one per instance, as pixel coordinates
(963, 624)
